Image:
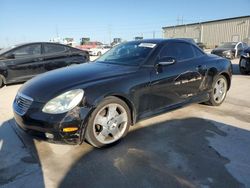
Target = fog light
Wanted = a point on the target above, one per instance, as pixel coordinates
(48, 135)
(70, 129)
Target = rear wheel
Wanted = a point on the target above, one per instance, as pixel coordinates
(242, 66)
(219, 91)
(108, 123)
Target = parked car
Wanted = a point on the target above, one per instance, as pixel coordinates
(98, 101)
(98, 51)
(89, 45)
(188, 40)
(201, 45)
(244, 63)
(230, 50)
(21, 62)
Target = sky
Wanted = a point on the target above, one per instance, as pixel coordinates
(102, 20)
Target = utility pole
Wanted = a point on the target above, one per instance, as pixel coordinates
(7, 41)
(180, 20)
(57, 35)
(109, 33)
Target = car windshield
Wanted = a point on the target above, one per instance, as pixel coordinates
(227, 45)
(130, 53)
(2, 51)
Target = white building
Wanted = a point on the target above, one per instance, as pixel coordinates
(214, 32)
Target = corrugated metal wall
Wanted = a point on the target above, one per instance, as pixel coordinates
(192, 31)
(213, 33)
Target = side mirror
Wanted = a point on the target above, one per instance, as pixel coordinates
(166, 61)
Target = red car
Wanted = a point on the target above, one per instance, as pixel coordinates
(89, 45)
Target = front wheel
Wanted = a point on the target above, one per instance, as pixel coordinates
(108, 123)
(219, 91)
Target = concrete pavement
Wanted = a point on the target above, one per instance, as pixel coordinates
(196, 146)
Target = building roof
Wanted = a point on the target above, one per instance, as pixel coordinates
(225, 19)
(162, 40)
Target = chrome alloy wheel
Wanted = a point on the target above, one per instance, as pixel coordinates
(220, 90)
(110, 123)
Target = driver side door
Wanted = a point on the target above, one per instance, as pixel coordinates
(175, 83)
(24, 62)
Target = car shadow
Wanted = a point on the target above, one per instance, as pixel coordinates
(182, 152)
(174, 153)
(19, 165)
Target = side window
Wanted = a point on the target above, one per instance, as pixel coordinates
(170, 50)
(29, 50)
(244, 45)
(179, 51)
(197, 52)
(53, 48)
(240, 46)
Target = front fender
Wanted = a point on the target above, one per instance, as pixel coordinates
(226, 70)
(219, 67)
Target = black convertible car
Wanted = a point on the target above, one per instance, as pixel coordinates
(244, 64)
(97, 102)
(22, 62)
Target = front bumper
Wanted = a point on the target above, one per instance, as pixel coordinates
(225, 55)
(50, 126)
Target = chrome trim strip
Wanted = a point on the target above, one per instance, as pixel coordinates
(22, 109)
(25, 96)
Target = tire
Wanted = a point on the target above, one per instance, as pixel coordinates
(217, 96)
(99, 53)
(1, 82)
(242, 69)
(106, 124)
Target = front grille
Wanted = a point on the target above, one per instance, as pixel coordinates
(22, 103)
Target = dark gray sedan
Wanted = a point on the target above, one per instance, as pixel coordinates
(22, 62)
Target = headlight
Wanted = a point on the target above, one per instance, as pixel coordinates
(64, 102)
(228, 52)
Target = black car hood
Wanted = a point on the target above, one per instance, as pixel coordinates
(51, 84)
(222, 49)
